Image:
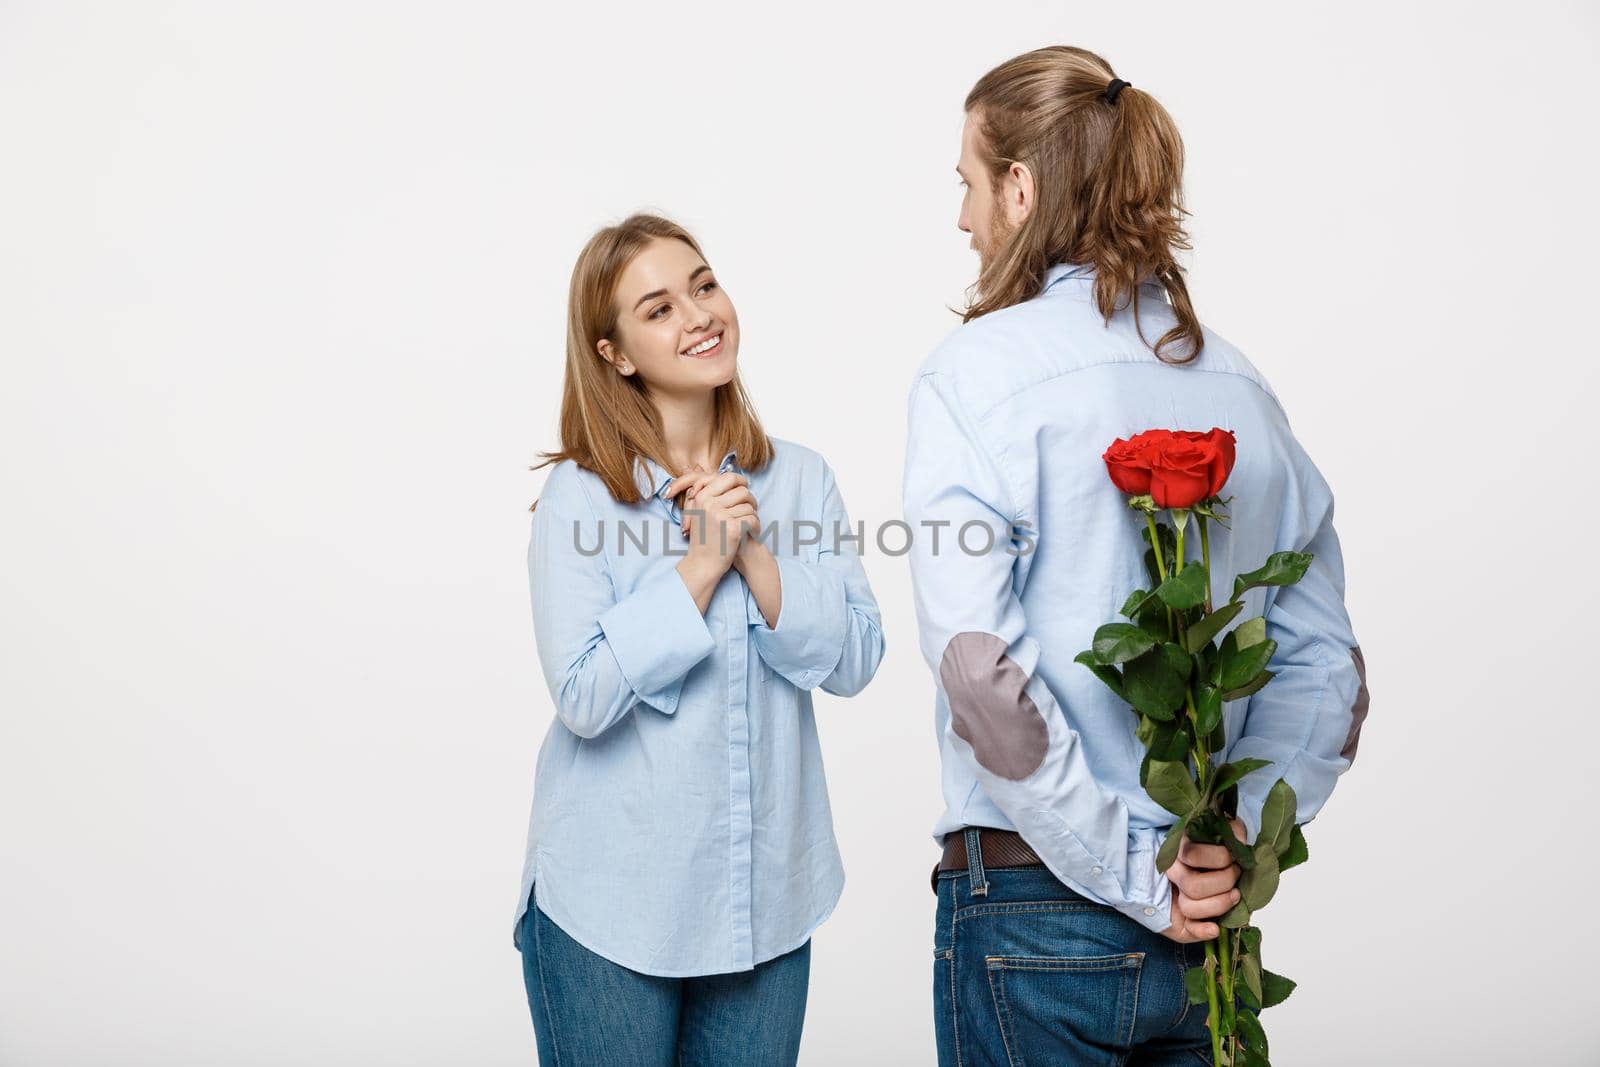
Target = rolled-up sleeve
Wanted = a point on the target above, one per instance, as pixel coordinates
(1005, 724)
(602, 655)
(829, 631)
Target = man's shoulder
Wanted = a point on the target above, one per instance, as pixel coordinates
(977, 343)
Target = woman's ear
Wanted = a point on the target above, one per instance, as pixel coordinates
(613, 355)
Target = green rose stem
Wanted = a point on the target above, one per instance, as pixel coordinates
(1202, 761)
(1226, 949)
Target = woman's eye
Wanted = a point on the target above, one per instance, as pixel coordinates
(657, 312)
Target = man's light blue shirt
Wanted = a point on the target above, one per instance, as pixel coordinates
(1007, 420)
(680, 821)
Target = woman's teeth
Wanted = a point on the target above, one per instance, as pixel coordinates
(704, 346)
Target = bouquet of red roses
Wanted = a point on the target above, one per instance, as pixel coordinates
(1167, 664)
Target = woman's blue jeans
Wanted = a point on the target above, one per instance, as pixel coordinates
(590, 1012)
(1025, 971)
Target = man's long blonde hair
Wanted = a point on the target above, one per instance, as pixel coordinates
(607, 421)
(1108, 186)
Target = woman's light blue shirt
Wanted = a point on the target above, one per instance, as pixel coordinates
(680, 820)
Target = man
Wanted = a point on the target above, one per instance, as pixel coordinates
(1057, 940)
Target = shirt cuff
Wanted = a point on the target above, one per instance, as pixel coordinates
(1151, 890)
(808, 641)
(657, 634)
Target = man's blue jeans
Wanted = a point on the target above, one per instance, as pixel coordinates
(1025, 971)
(590, 1012)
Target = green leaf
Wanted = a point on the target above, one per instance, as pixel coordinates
(1119, 642)
(1250, 970)
(1257, 885)
(1171, 741)
(1109, 675)
(1218, 739)
(1232, 773)
(1150, 565)
(1171, 786)
(1230, 647)
(1153, 686)
(1251, 1032)
(1297, 852)
(1246, 997)
(1243, 854)
(1275, 989)
(1186, 589)
(1169, 550)
(1194, 984)
(1179, 662)
(1169, 847)
(1207, 709)
(1134, 603)
(1250, 937)
(1201, 633)
(1277, 817)
(1251, 631)
(1237, 669)
(1249, 1056)
(1281, 568)
(1250, 687)
(1236, 916)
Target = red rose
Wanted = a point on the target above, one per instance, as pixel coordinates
(1186, 467)
(1128, 465)
(1221, 443)
(1178, 468)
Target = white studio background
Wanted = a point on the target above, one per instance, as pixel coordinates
(282, 296)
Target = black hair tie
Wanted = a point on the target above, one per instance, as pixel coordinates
(1115, 89)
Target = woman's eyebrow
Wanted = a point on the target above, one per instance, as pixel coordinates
(702, 268)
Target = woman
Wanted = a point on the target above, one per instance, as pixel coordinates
(680, 849)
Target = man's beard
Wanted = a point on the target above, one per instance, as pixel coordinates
(999, 234)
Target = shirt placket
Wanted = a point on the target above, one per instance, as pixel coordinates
(732, 608)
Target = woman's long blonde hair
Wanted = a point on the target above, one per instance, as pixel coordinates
(607, 421)
(1107, 179)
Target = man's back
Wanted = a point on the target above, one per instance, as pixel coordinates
(1008, 421)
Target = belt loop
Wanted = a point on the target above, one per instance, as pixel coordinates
(975, 875)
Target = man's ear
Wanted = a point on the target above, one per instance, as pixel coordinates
(613, 355)
(1018, 193)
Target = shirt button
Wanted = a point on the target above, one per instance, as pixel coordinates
(1095, 871)
(1149, 911)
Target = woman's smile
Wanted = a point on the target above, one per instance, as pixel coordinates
(706, 348)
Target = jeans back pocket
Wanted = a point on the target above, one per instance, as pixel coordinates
(1065, 1009)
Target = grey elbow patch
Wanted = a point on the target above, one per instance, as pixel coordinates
(1358, 711)
(989, 708)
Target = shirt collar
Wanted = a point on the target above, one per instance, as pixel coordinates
(1063, 270)
(654, 478)
(1066, 270)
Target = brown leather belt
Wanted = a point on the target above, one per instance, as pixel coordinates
(997, 848)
